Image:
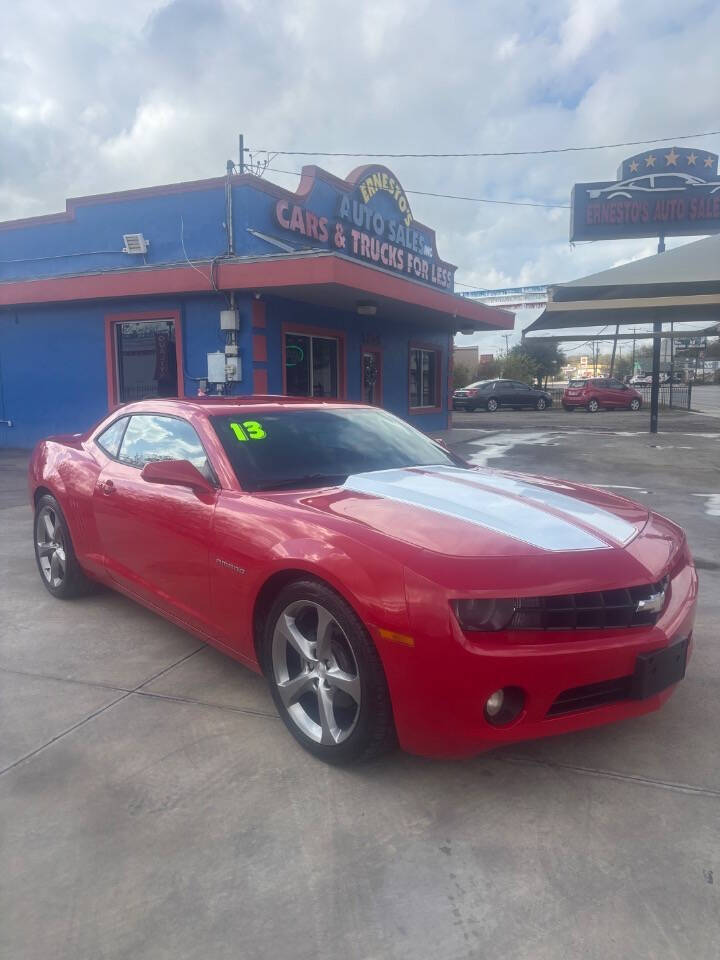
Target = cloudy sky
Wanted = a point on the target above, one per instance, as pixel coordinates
(98, 96)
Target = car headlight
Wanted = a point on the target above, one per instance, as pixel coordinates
(486, 614)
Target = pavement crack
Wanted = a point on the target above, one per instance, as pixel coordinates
(64, 733)
(164, 670)
(96, 713)
(248, 711)
(53, 676)
(686, 788)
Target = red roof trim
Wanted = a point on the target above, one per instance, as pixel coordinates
(274, 274)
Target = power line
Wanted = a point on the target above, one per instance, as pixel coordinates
(489, 153)
(452, 196)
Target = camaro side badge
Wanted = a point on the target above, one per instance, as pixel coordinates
(229, 566)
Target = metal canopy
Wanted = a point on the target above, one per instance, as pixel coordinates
(678, 286)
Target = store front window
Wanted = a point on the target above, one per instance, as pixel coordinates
(311, 365)
(424, 378)
(145, 359)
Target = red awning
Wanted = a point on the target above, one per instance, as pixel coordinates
(323, 278)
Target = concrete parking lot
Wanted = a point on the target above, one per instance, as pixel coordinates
(152, 805)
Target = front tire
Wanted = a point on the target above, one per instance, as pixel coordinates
(541, 404)
(60, 571)
(593, 406)
(635, 404)
(325, 675)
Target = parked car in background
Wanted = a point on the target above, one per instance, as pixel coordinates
(492, 394)
(595, 393)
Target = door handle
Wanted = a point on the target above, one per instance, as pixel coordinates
(107, 487)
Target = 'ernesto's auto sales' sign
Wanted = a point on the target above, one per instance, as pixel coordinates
(373, 223)
(673, 191)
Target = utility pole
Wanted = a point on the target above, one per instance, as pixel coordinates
(612, 358)
(655, 387)
(507, 343)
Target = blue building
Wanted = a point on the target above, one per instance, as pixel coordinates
(229, 285)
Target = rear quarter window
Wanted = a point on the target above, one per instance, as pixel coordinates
(110, 439)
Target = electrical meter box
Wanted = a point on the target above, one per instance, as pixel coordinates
(229, 320)
(216, 367)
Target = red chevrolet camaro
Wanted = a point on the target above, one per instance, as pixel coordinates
(385, 588)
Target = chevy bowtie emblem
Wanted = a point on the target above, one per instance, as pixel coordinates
(652, 604)
(229, 566)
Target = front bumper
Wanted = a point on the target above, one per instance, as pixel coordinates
(440, 685)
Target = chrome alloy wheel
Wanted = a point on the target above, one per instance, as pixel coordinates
(50, 546)
(316, 673)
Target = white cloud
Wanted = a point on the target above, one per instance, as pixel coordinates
(97, 97)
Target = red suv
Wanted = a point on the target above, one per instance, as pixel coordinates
(595, 393)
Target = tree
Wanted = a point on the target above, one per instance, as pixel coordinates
(519, 365)
(713, 349)
(488, 370)
(460, 376)
(547, 357)
(623, 367)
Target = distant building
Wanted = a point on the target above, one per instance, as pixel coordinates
(511, 298)
(470, 357)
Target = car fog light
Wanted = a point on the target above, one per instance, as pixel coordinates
(494, 703)
(504, 706)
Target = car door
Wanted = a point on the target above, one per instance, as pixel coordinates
(155, 537)
(526, 395)
(617, 393)
(503, 392)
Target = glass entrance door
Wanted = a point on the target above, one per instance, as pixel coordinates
(372, 377)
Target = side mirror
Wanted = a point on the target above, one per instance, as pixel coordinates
(441, 443)
(176, 473)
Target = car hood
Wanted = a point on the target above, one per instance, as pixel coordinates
(506, 522)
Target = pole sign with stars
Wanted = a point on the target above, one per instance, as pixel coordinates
(663, 192)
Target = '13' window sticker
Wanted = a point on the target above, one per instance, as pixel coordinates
(248, 430)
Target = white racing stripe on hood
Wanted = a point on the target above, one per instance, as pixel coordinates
(612, 526)
(529, 522)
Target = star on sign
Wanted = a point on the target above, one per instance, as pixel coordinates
(691, 158)
(708, 161)
(671, 158)
(633, 166)
(650, 160)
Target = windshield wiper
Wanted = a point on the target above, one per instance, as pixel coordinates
(307, 480)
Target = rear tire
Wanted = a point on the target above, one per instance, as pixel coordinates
(325, 675)
(593, 406)
(492, 405)
(60, 572)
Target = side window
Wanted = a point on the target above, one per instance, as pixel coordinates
(109, 440)
(153, 437)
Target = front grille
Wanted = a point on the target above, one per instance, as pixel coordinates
(600, 610)
(591, 695)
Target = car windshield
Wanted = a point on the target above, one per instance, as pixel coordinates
(286, 449)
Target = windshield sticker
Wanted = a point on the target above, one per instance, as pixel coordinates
(248, 430)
